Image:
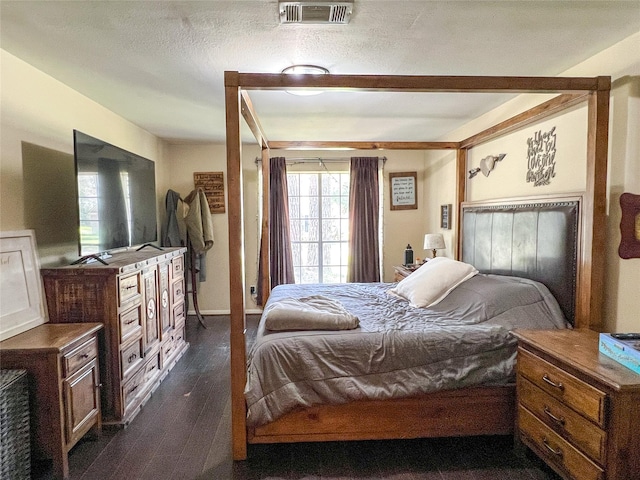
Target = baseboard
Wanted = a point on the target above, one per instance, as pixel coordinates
(251, 311)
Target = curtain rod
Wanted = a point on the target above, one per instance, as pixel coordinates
(319, 159)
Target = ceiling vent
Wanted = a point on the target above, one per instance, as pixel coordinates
(315, 12)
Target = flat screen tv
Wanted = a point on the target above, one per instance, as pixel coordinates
(116, 197)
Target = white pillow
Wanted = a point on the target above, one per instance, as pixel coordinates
(433, 281)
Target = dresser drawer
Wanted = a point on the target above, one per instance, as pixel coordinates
(151, 368)
(131, 389)
(555, 450)
(178, 336)
(177, 267)
(179, 314)
(131, 357)
(128, 288)
(564, 421)
(78, 357)
(168, 349)
(130, 323)
(177, 290)
(582, 397)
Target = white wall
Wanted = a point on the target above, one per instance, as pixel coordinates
(37, 109)
(622, 63)
(400, 226)
(509, 175)
(183, 161)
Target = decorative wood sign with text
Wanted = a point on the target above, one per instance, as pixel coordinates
(212, 183)
(541, 157)
(404, 190)
(629, 226)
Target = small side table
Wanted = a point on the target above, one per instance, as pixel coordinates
(577, 408)
(61, 361)
(403, 271)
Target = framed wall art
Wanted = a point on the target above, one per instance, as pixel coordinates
(404, 190)
(212, 183)
(21, 305)
(445, 216)
(629, 226)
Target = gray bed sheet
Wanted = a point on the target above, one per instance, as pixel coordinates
(397, 350)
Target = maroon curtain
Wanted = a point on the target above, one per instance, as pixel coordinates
(364, 215)
(281, 261)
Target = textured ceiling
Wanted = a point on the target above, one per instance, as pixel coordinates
(160, 64)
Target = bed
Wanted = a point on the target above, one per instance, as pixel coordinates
(392, 350)
(497, 237)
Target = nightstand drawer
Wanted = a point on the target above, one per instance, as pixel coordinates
(80, 356)
(563, 420)
(582, 397)
(555, 450)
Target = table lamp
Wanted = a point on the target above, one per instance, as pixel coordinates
(433, 242)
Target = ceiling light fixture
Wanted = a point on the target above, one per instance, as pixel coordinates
(305, 70)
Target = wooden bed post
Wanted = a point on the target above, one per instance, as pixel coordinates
(591, 283)
(236, 267)
(265, 245)
(461, 195)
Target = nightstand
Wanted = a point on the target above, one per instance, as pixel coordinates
(577, 409)
(403, 271)
(64, 386)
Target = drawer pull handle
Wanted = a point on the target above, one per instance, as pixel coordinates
(129, 322)
(132, 357)
(84, 355)
(559, 420)
(552, 383)
(133, 389)
(556, 452)
(129, 287)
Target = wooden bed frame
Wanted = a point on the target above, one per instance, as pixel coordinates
(469, 411)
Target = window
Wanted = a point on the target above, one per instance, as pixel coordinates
(89, 211)
(319, 219)
(89, 216)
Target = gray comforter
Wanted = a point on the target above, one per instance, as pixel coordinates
(397, 350)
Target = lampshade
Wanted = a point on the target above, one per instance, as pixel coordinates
(433, 241)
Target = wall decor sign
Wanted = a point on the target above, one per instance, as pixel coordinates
(487, 164)
(445, 216)
(212, 183)
(404, 190)
(541, 157)
(629, 226)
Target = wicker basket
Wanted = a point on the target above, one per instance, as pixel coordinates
(15, 449)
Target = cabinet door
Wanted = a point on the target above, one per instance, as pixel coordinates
(165, 307)
(152, 330)
(82, 401)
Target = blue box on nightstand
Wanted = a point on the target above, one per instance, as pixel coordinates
(623, 351)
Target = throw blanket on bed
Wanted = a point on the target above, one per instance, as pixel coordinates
(308, 313)
(397, 350)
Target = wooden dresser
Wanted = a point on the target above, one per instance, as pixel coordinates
(139, 297)
(577, 409)
(64, 387)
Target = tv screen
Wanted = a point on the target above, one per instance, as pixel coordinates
(116, 196)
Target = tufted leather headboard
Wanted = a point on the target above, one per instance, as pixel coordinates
(537, 240)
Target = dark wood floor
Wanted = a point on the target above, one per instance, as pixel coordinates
(184, 432)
